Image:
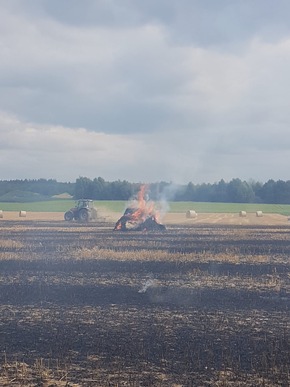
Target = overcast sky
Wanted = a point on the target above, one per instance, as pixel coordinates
(187, 90)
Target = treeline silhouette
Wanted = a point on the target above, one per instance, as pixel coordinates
(234, 191)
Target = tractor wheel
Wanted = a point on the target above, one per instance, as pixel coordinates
(83, 215)
(68, 216)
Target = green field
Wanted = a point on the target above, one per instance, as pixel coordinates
(119, 206)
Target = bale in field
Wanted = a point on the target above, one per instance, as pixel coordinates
(190, 214)
(243, 214)
(1, 213)
(22, 214)
(259, 214)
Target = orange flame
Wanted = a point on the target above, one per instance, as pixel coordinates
(138, 211)
(143, 207)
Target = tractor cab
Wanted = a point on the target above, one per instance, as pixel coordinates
(84, 203)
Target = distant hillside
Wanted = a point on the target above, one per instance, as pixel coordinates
(64, 195)
(23, 197)
(23, 189)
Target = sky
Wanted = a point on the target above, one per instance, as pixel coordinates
(145, 91)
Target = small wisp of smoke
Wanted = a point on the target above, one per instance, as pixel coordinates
(149, 283)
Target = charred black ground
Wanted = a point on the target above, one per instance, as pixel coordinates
(73, 309)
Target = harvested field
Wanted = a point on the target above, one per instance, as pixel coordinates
(204, 303)
(169, 218)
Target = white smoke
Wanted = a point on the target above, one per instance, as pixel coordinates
(150, 282)
(165, 197)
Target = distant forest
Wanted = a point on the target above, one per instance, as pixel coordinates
(235, 191)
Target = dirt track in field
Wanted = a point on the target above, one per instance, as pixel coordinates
(169, 218)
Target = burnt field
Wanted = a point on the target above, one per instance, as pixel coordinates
(195, 305)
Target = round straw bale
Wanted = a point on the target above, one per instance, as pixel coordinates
(191, 214)
(243, 214)
(259, 214)
(1, 213)
(22, 214)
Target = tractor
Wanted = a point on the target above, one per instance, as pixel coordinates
(84, 211)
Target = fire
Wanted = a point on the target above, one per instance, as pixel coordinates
(141, 212)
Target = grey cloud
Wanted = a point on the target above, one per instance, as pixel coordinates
(165, 90)
(109, 13)
(202, 22)
(82, 90)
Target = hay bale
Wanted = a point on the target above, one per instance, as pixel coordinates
(22, 214)
(190, 214)
(259, 214)
(1, 213)
(243, 214)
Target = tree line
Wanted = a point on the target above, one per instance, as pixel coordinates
(234, 191)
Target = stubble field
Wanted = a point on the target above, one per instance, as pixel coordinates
(205, 303)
